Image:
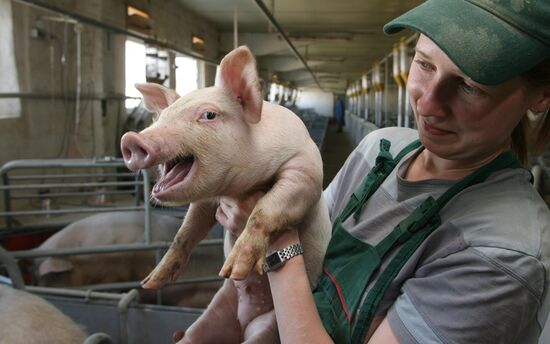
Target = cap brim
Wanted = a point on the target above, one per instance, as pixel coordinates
(485, 48)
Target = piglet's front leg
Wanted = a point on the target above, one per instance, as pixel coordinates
(198, 221)
(249, 250)
(282, 207)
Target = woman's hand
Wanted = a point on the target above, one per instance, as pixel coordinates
(233, 214)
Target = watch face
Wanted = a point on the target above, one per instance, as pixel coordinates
(273, 260)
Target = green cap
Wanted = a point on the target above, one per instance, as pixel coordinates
(491, 41)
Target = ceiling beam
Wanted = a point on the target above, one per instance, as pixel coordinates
(274, 22)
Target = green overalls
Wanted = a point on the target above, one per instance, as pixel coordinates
(345, 307)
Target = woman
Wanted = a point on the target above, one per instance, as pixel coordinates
(468, 256)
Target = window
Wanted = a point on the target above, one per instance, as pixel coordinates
(135, 71)
(187, 76)
(9, 107)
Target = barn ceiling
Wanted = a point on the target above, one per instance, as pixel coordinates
(338, 40)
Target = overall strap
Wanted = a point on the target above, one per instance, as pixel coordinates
(339, 289)
(412, 231)
(383, 167)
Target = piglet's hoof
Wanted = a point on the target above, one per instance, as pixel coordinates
(168, 270)
(248, 253)
(162, 274)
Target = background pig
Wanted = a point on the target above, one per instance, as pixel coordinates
(27, 318)
(225, 142)
(123, 228)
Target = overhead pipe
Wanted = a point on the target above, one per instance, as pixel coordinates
(274, 22)
(93, 22)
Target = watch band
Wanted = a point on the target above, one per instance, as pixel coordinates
(275, 260)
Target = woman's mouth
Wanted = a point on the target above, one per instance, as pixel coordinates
(432, 130)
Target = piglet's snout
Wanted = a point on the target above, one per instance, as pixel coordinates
(137, 153)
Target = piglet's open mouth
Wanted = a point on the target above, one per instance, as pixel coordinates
(175, 171)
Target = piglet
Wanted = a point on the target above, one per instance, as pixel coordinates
(27, 318)
(117, 228)
(226, 142)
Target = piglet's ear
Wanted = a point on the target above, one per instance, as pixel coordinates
(156, 97)
(238, 76)
(54, 265)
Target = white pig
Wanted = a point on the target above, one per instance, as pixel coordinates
(27, 318)
(122, 228)
(226, 142)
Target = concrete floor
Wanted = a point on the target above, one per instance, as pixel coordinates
(337, 148)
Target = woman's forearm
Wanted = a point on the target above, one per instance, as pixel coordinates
(297, 317)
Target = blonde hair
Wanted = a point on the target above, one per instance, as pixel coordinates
(526, 138)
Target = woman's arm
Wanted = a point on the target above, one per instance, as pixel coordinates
(383, 334)
(297, 317)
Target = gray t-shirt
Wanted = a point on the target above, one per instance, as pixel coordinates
(482, 276)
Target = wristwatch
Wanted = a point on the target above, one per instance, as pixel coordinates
(276, 259)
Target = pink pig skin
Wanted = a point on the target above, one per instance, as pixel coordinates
(126, 227)
(27, 318)
(226, 142)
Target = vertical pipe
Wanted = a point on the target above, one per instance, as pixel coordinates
(404, 72)
(123, 310)
(13, 270)
(376, 80)
(147, 207)
(385, 92)
(7, 199)
(235, 27)
(78, 32)
(365, 86)
(407, 109)
(397, 78)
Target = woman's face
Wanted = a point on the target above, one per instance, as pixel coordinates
(457, 118)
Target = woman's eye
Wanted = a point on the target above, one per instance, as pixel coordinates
(208, 115)
(423, 65)
(469, 88)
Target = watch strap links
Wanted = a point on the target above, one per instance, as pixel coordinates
(276, 259)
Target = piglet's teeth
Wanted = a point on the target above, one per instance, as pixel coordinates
(175, 175)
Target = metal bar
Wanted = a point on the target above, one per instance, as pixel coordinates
(7, 201)
(274, 22)
(147, 207)
(90, 21)
(72, 194)
(61, 163)
(45, 96)
(13, 270)
(123, 310)
(78, 293)
(67, 211)
(137, 284)
(103, 249)
(67, 176)
(66, 186)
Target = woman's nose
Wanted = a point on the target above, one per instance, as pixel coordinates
(434, 99)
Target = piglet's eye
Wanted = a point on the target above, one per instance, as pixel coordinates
(208, 115)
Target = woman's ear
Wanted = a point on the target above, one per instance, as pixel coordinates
(542, 103)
